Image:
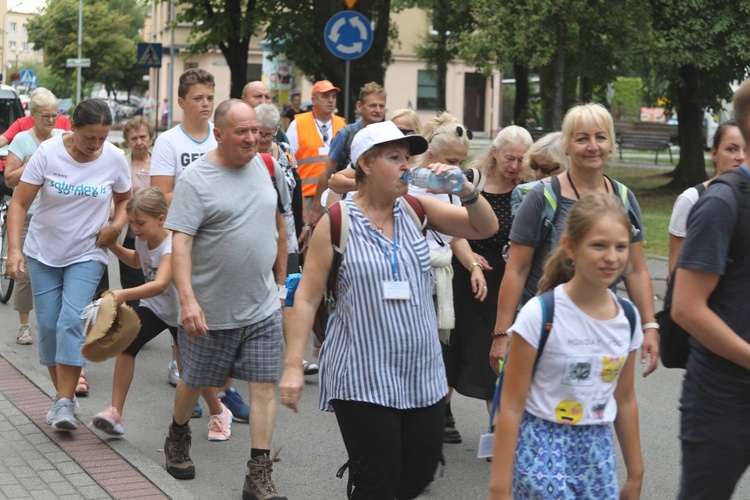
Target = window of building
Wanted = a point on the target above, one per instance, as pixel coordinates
(23, 28)
(25, 46)
(12, 26)
(254, 72)
(191, 65)
(12, 45)
(426, 90)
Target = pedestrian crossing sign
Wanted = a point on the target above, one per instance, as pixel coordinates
(149, 55)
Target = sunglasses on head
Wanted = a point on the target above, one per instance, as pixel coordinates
(546, 169)
(406, 131)
(460, 132)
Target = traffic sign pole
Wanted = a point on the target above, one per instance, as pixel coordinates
(348, 35)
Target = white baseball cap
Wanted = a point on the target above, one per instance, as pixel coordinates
(380, 133)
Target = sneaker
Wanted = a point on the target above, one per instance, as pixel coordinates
(173, 374)
(232, 400)
(61, 415)
(109, 421)
(51, 413)
(197, 411)
(82, 389)
(450, 433)
(220, 426)
(177, 453)
(309, 368)
(24, 335)
(258, 484)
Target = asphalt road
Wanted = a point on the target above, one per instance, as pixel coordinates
(311, 450)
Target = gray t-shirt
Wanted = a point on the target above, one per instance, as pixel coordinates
(713, 382)
(526, 229)
(231, 213)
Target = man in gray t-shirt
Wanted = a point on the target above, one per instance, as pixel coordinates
(227, 260)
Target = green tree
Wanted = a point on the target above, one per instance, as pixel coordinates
(110, 35)
(574, 44)
(699, 47)
(228, 25)
(296, 28)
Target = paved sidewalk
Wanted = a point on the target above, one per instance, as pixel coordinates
(39, 463)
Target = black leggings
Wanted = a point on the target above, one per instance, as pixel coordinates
(151, 326)
(392, 453)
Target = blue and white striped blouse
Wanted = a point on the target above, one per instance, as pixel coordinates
(384, 352)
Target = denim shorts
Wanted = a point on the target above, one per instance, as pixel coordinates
(60, 294)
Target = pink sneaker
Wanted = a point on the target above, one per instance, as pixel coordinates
(109, 421)
(220, 426)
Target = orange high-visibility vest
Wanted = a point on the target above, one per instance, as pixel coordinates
(309, 160)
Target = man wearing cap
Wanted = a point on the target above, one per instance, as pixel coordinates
(371, 106)
(227, 260)
(310, 136)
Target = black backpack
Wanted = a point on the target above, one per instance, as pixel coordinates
(674, 341)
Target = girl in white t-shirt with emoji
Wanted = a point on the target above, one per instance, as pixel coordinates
(159, 307)
(553, 436)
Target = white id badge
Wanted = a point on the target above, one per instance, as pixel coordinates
(396, 290)
(323, 151)
(485, 445)
(283, 292)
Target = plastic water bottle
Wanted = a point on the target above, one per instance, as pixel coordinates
(452, 180)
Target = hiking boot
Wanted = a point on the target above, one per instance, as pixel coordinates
(258, 483)
(450, 433)
(177, 453)
(24, 335)
(109, 421)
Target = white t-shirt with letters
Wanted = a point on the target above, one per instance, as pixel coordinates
(74, 202)
(174, 150)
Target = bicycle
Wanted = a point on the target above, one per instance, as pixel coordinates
(6, 282)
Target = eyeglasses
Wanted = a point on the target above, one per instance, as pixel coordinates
(546, 169)
(406, 131)
(48, 117)
(267, 137)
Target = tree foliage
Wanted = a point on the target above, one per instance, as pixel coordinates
(569, 41)
(698, 47)
(296, 28)
(228, 25)
(110, 37)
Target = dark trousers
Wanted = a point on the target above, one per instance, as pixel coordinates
(151, 327)
(392, 453)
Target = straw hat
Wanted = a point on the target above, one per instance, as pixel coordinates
(109, 329)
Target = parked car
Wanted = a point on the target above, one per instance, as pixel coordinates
(10, 111)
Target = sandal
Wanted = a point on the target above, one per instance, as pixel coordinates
(82, 389)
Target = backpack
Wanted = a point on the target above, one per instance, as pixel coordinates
(349, 135)
(268, 160)
(547, 300)
(339, 217)
(674, 341)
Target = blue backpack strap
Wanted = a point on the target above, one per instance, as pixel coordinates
(547, 301)
(629, 310)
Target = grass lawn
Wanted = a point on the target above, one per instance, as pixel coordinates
(655, 201)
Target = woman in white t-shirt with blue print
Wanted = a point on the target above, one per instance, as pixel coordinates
(77, 176)
(553, 438)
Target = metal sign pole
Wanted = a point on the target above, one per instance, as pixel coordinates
(346, 91)
(80, 42)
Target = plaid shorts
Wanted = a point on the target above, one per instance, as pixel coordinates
(251, 353)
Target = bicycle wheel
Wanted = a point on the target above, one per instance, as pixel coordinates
(6, 282)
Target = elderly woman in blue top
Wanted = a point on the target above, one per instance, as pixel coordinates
(381, 368)
(77, 176)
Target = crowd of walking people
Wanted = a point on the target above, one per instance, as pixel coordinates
(500, 287)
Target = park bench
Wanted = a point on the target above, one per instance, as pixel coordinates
(648, 140)
(538, 133)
